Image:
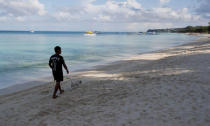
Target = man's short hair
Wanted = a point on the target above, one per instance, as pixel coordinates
(57, 48)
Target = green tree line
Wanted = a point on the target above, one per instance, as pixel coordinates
(195, 29)
(188, 29)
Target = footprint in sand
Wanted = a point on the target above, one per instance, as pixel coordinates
(76, 84)
(44, 92)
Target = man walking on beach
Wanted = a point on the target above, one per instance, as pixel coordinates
(56, 62)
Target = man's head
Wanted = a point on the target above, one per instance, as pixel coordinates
(57, 50)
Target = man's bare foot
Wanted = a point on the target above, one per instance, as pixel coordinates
(62, 91)
(54, 97)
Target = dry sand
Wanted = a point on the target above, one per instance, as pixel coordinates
(165, 88)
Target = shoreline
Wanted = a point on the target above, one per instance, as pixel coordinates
(49, 79)
(162, 88)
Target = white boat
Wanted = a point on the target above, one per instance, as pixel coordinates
(32, 31)
(152, 33)
(90, 33)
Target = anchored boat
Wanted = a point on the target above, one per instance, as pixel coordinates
(90, 33)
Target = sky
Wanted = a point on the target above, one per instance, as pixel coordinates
(102, 15)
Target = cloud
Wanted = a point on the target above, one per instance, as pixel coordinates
(133, 4)
(172, 15)
(204, 8)
(127, 11)
(63, 15)
(148, 25)
(20, 19)
(130, 14)
(110, 15)
(109, 11)
(103, 18)
(3, 18)
(164, 1)
(18, 9)
(69, 14)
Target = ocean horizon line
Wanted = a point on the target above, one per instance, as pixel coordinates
(60, 31)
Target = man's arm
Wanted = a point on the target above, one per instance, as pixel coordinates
(50, 63)
(64, 65)
(66, 68)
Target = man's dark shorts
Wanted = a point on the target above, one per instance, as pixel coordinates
(58, 76)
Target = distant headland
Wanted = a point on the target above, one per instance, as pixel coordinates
(188, 29)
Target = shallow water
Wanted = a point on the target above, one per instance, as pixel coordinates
(24, 56)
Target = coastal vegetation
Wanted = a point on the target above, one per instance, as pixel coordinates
(188, 29)
(195, 29)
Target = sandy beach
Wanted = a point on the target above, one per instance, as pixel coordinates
(170, 87)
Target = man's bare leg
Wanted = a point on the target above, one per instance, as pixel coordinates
(59, 87)
(56, 89)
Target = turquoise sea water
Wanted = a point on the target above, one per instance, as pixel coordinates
(24, 56)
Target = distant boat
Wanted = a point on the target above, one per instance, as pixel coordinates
(152, 33)
(140, 33)
(32, 31)
(90, 33)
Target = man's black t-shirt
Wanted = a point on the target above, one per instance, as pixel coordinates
(56, 62)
